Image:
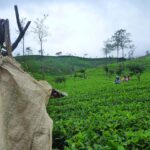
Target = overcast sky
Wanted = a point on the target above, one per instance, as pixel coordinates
(82, 26)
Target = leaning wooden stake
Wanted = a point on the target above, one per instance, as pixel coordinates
(7, 38)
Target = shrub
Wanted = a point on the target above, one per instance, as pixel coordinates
(136, 69)
(80, 73)
(120, 70)
(60, 80)
(106, 69)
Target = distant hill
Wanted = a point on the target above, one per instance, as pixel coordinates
(60, 65)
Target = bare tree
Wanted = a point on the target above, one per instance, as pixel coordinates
(40, 30)
(131, 51)
(22, 22)
(108, 47)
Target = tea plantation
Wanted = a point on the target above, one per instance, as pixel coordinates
(101, 115)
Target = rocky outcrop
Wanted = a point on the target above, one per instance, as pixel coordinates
(24, 122)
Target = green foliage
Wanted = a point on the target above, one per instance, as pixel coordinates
(61, 65)
(106, 69)
(81, 71)
(136, 68)
(125, 68)
(80, 74)
(121, 40)
(99, 114)
(119, 70)
(60, 80)
(110, 72)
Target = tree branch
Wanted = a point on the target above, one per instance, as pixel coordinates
(21, 29)
(20, 36)
(17, 18)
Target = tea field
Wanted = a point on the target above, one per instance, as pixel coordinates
(101, 115)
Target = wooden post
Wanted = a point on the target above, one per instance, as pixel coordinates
(7, 38)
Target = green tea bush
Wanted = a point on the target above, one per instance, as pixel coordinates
(136, 69)
(60, 80)
(100, 115)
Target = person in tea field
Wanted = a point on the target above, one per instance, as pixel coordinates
(125, 78)
(128, 77)
(117, 80)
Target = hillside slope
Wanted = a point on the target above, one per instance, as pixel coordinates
(99, 114)
(60, 65)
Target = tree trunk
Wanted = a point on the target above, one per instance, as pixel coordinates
(117, 54)
(41, 47)
(122, 53)
(23, 45)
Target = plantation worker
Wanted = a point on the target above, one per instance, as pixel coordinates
(117, 80)
(126, 79)
(123, 79)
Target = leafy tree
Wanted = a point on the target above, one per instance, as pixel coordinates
(40, 30)
(28, 50)
(121, 40)
(85, 55)
(59, 53)
(108, 47)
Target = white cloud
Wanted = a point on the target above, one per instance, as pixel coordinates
(82, 26)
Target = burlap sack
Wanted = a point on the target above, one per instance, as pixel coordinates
(24, 122)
